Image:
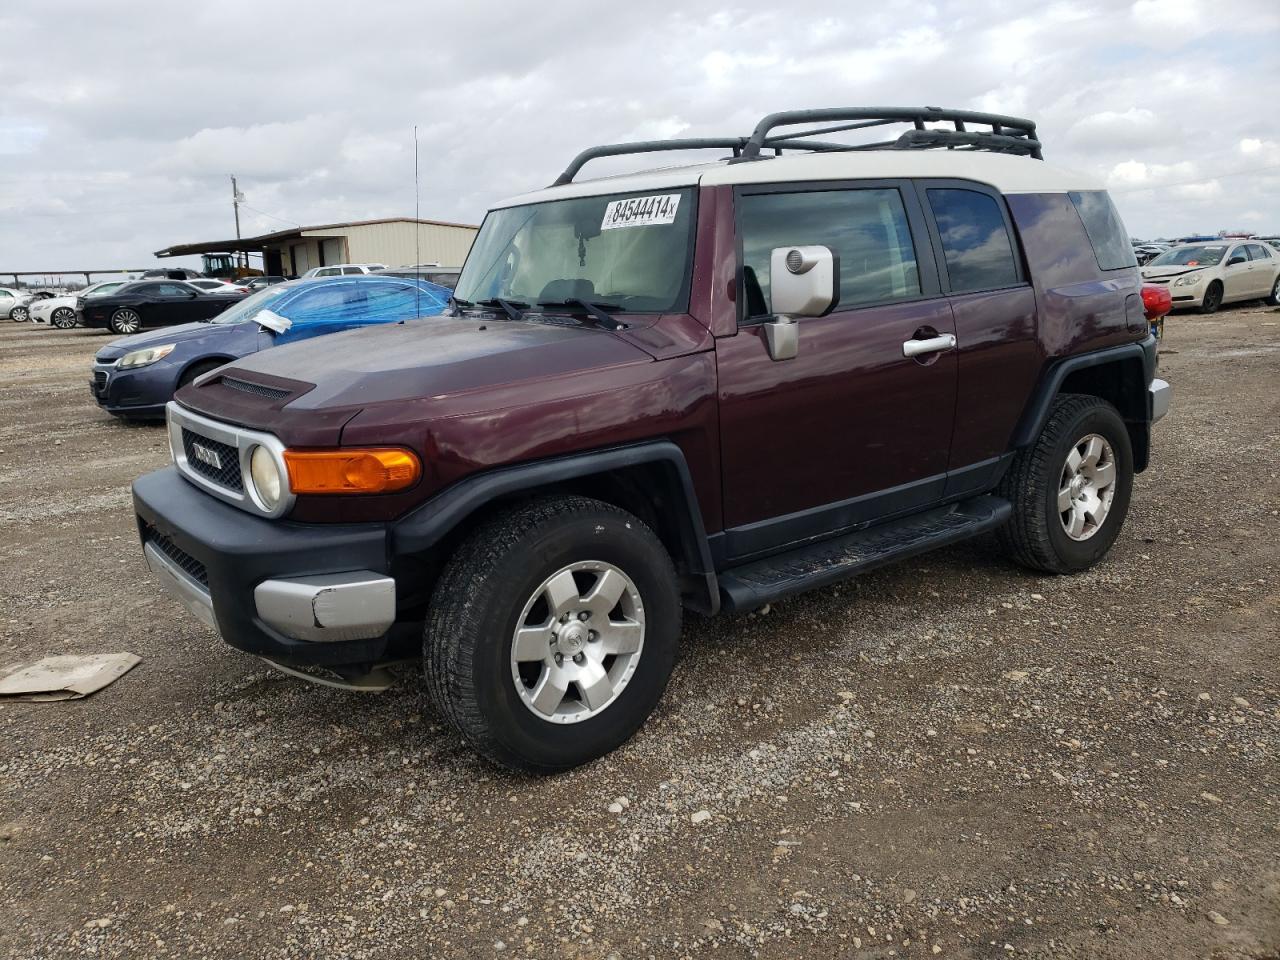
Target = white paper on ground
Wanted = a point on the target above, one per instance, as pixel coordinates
(66, 677)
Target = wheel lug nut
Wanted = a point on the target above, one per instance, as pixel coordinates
(579, 658)
(559, 659)
(592, 636)
(584, 615)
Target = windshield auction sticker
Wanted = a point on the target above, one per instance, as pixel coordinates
(640, 211)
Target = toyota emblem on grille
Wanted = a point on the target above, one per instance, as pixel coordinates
(205, 455)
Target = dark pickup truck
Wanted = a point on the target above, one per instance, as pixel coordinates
(704, 387)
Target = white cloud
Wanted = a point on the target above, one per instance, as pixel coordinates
(144, 116)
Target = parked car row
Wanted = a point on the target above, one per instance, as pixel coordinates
(133, 378)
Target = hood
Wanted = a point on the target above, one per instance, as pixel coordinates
(435, 358)
(182, 333)
(1173, 270)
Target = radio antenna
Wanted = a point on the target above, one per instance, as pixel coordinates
(417, 232)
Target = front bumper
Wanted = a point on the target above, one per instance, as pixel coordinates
(303, 594)
(140, 393)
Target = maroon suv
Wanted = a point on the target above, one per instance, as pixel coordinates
(702, 387)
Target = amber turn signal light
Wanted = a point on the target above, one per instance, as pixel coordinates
(374, 470)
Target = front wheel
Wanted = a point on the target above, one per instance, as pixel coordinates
(125, 321)
(552, 633)
(1212, 298)
(1070, 490)
(64, 318)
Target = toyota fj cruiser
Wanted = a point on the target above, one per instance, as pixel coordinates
(703, 387)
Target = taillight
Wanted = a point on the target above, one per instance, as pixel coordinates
(1156, 301)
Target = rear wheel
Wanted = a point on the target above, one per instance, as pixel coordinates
(1212, 298)
(1274, 298)
(1070, 490)
(552, 632)
(20, 314)
(64, 318)
(125, 321)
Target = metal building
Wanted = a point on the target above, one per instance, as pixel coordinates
(389, 241)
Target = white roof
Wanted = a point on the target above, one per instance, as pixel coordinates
(1007, 173)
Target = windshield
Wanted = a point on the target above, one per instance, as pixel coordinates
(1199, 255)
(633, 251)
(250, 305)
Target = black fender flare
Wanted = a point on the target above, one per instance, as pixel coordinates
(1137, 412)
(428, 524)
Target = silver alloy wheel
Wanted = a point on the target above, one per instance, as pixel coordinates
(577, 642)
(1275, 290)
(64, 318)
(1087, 487)
(19, 315)
(126, 321)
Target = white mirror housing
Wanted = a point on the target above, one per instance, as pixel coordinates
(803, 281)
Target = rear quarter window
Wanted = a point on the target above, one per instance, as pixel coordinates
(1107, 235)
(975, 240)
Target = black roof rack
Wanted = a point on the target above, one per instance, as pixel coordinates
(1001, 135)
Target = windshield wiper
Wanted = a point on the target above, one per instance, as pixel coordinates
(599, 312)
(512, 308)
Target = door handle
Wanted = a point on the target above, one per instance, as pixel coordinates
(916, 348)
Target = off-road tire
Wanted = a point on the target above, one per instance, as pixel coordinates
(1212, 298)
(1034, 535)
(479, 597)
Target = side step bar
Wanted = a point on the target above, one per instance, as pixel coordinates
(824, 562)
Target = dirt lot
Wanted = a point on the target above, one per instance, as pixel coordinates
(952, 757)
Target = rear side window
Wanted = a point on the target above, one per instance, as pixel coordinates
(1106, 231)
(975, 240)
(867, 230)
(1258, 252)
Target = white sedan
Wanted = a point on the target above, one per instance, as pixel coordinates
(1204, 276)
(14, 304)
(61, 311)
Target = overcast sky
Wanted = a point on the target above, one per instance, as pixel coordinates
(119, 123)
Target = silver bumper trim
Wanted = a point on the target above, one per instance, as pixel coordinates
(1161, 397)
(358, 605)
(176, 581)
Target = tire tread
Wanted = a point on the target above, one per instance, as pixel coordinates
(1025, 538)
(455, 610)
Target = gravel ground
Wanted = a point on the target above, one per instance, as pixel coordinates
(952, 757)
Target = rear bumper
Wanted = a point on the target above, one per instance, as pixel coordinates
(1160, 397)
(303, 594)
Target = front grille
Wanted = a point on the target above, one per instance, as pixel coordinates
(257, 389)
(213, 459)
(189, 564)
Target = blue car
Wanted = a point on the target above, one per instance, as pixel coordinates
(135, 377)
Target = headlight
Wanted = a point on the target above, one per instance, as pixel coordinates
(143, 358)
(266, 477)
(1189, 279)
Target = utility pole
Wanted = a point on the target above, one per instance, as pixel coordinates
(236, 197)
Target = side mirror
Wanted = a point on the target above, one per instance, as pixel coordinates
(1237, 259)
(803, 282)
